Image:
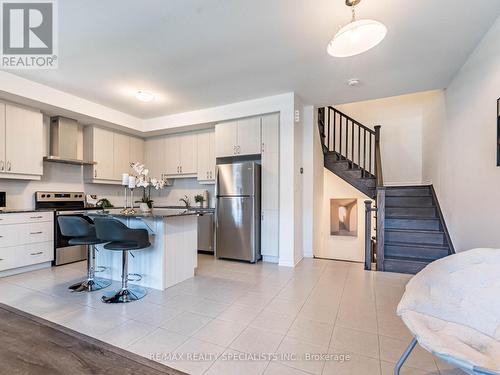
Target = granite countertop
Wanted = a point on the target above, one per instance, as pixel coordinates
(192, 208)
(23, 210)
(156, 212)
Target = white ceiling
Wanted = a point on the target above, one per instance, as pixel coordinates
(201, 53)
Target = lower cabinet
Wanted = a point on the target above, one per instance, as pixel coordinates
(269, 241)
(26, 239)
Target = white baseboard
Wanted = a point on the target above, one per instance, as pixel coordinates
(270, 259)
(19, 270)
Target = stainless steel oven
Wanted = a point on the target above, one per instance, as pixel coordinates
(64, 203)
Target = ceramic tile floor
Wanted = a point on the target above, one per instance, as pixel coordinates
(231, 312)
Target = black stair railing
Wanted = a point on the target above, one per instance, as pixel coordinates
(350, 140)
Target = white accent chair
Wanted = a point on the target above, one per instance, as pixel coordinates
(452, 308)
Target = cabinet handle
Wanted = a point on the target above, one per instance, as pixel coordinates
(1, 260)
(262, 218)
(239, 150)
(95, 173)
(36, 217)
(1, 236)
(36, 232)
(262, 150)
(9, 166)
(2, 166)
(37, 253)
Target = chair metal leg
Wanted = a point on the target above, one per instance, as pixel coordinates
(126, 293)
(92, 283)
(404, 356)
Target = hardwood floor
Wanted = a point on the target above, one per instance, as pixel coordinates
(31, 345)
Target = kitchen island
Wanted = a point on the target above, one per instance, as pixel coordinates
(172, 257)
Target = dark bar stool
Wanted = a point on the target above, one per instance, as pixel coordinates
(121, 238)
(83, 233)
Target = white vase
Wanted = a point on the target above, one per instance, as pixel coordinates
(144, 207)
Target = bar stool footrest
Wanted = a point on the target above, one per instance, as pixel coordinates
(90, 285)
(124, 295)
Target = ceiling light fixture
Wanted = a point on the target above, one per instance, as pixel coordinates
(144, 96)
(357, 36)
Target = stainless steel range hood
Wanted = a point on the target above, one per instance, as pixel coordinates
(66, 142)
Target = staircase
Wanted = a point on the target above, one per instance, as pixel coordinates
(415, 233)
(350, 149)
(410, 227)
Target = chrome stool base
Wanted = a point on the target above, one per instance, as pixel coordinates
(90, 285)
(124, 295)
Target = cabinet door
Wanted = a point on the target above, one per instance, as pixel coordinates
(270, 162)
(269, 233)
(103, 154)
(270, 133)
(187, 153)
(121, 155)
(155, 156)
(172, 153)
(211, 155)
(24, 141)
(249, 136)
(203, 146)
(226, 137)
(2, 137)
(136, 150)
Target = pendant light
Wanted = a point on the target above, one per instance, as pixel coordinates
(357, 36)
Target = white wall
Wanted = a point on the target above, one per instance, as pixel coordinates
(465, 174)
(340, 247)
(401, 118)
(298, 180)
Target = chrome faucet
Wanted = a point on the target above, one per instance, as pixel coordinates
(186, 202)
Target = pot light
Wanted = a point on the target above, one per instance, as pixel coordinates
(357, 36)
(144, 96)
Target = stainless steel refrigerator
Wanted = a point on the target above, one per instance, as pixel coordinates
(237, 226)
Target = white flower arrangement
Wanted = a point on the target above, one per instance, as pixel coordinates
(142, 180)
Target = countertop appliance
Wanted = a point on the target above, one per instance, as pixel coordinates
(64, 203)
(3, 201)
(237, 228)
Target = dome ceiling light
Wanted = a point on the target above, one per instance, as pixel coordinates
(357, 36)
(144, 96)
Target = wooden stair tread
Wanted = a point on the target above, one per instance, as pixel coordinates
(418, 245)
(404, 230)
(396, 217)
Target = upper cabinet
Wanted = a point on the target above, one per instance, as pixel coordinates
(181, 155)
(121, 155)
(155, 156)
(206, 157)
(112, 152)
(241, 137)
(21, 143)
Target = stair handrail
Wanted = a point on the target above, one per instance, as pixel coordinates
(351, 119)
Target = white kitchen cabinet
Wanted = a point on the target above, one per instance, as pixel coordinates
(206, 157)
(137, 150)
(270, 187)
(180, 155)
(26, 239)
(121, 155)
(226, 138)
(249, 138)
(99, 147)
(155, 156)
(241, 137)
(21, 143)
(2, 138)
(269, 225)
